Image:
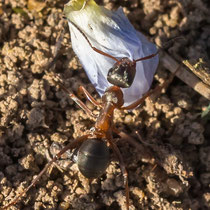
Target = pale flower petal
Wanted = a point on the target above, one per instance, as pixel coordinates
(112, 33)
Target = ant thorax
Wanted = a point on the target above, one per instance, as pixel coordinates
(122, 73)
(113, 95)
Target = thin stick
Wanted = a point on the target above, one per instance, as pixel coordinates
(186, 76)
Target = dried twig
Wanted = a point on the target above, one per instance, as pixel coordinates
(188, 77)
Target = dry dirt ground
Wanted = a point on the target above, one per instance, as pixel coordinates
(170, 169)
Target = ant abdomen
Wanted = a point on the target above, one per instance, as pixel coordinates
(93, 158)
(122, 73)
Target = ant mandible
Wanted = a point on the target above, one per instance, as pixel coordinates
(93, 153)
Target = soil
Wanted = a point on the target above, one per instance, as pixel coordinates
(170, 167)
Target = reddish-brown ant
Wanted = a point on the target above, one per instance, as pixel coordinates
(93, 152)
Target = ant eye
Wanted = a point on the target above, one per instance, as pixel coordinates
(122, 73)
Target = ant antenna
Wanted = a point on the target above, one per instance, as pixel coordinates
(147, 57)
(106, 54)
(168, 43)
(95, 49)
(134, 61)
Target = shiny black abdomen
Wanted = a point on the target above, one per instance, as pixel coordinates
(93, 158)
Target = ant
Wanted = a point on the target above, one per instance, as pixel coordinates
(93, 155)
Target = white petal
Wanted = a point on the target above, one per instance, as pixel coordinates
(112, 33)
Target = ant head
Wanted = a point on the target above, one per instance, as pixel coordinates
(122, 73)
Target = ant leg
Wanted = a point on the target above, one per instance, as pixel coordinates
(70, 145)
(76, 100)
(123, 169)
(145, 152)
(49, 158)
(72, 96)
(52, 64)
(150, 92)
(95, 49)
(147, 144)
(65, 161)
(83, 91)
(56, 81)
(141, 139)
(126, 137)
